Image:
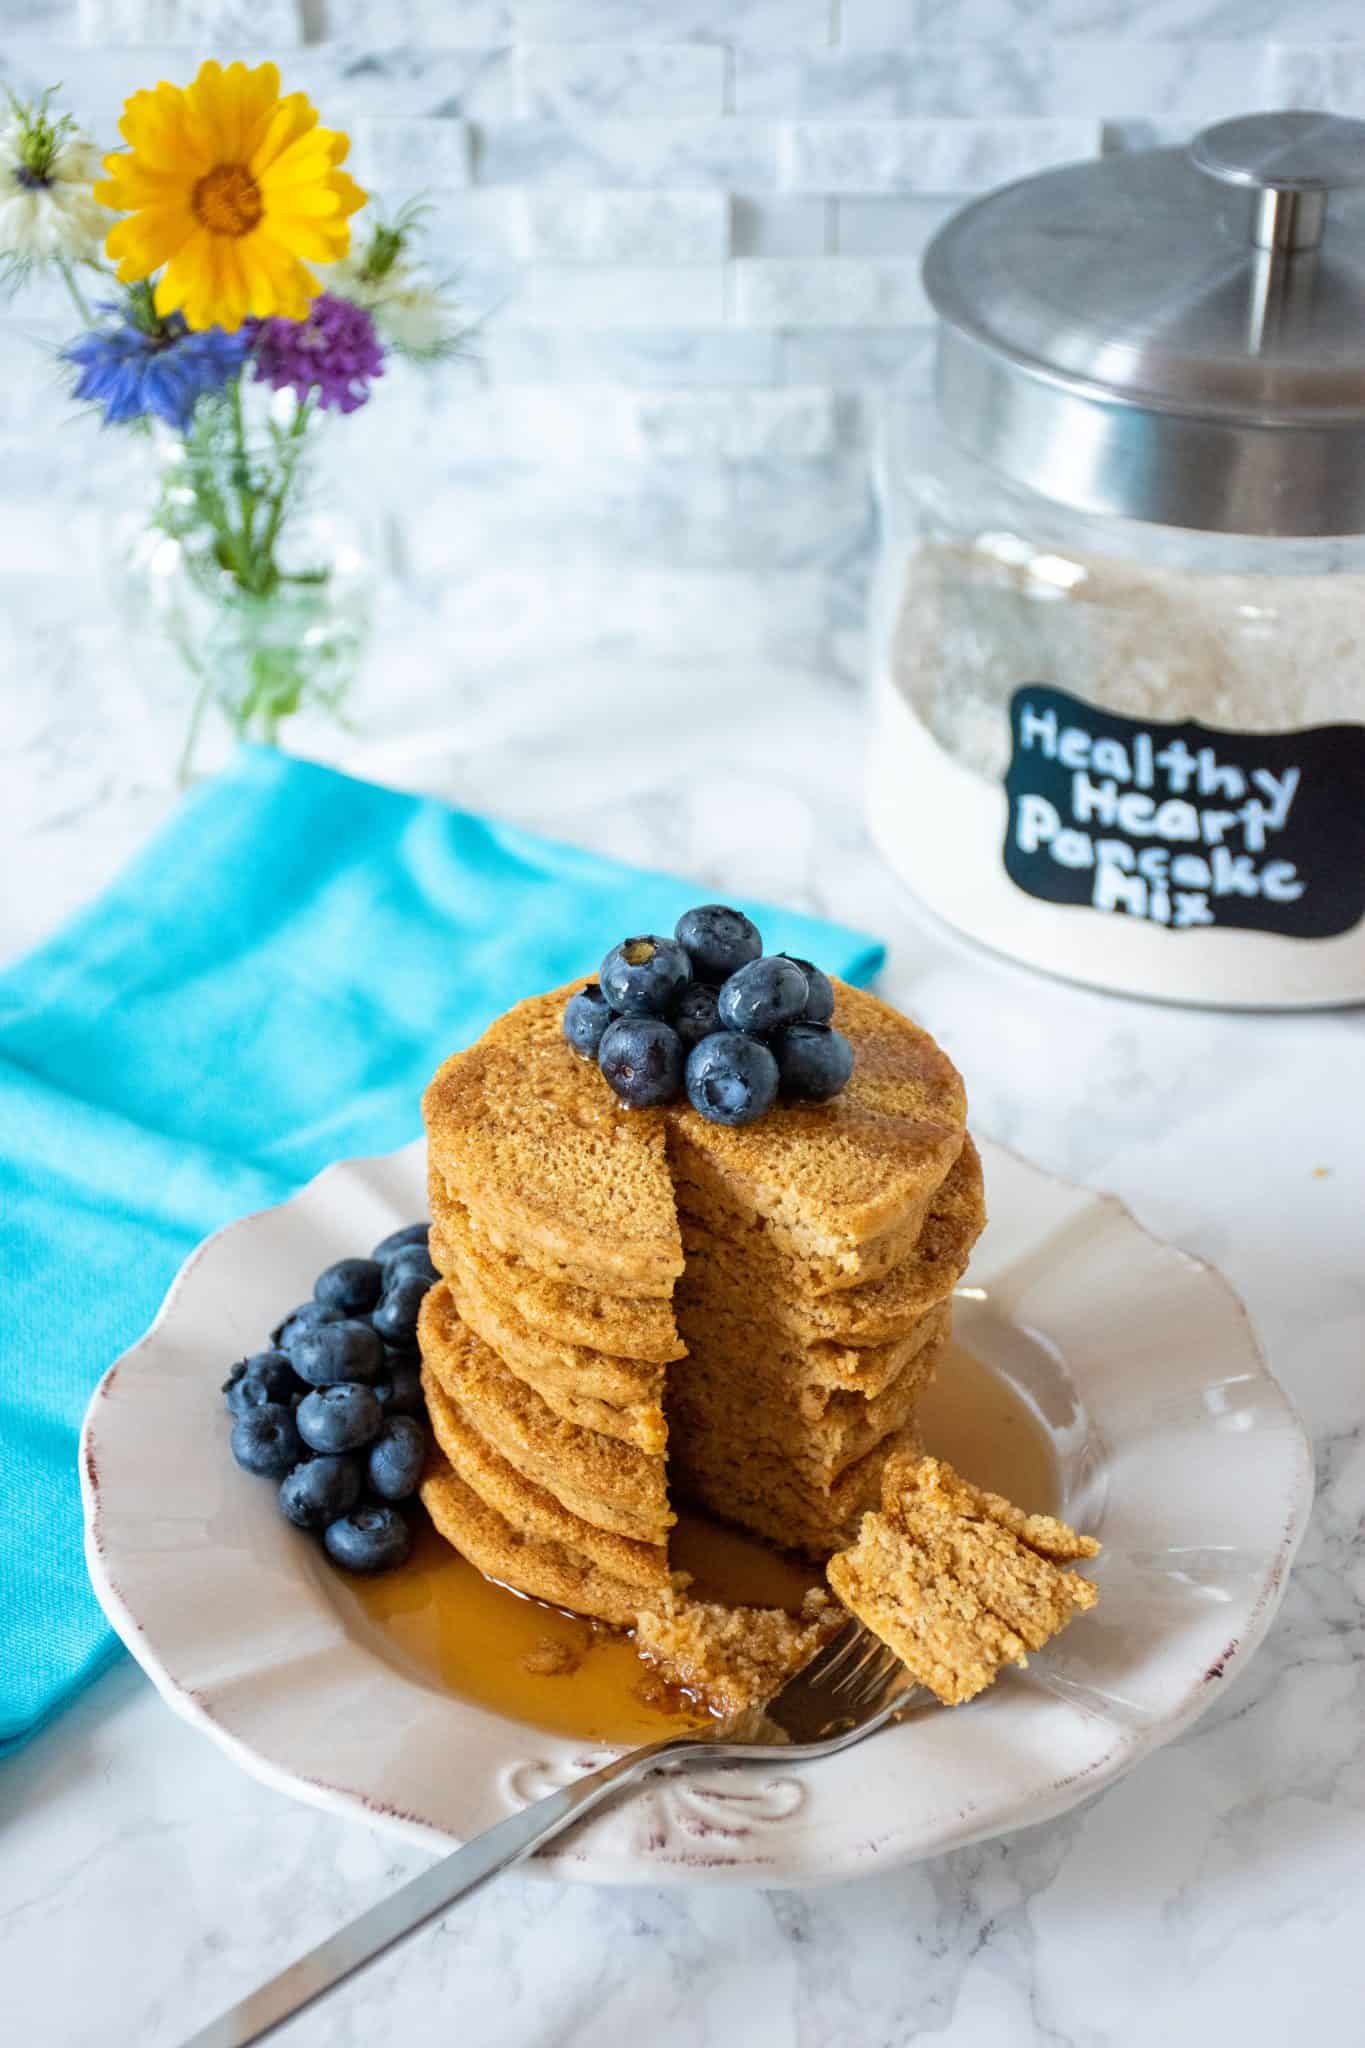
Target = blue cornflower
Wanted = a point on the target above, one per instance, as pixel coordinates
(133, 370)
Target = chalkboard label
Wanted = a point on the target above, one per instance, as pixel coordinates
(1182, 826)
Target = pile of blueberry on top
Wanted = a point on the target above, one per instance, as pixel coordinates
(709, 1011)
(334, 1411)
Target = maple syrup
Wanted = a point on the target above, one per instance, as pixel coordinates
(449, 1626)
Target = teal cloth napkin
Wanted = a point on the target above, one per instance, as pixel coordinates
(266, 989)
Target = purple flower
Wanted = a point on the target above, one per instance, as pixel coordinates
(132, 370)
(334, 352)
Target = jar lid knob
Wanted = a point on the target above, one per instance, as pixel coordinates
(1290, 160)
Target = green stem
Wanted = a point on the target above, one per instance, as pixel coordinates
(247, 496)
(293, 449)
(77, 295)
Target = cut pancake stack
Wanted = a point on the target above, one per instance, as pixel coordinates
(640, 1309)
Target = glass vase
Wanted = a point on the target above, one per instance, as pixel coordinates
(265, 600)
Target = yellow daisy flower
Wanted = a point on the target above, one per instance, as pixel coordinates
(234, 190)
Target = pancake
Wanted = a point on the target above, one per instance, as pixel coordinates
(619, 1397)
(841, 1187)
(744, 1267)
(547, 1571)
(755, 1352)
(548, 1163)
(622, 1325)
(606, 1482)
(708, 1402)
(764, 1495)
(948, 1577)
(530, 1510)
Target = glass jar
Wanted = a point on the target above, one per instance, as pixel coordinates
(1124, 750)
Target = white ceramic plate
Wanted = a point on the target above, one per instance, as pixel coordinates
(1176, 1447)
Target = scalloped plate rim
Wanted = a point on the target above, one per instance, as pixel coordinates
(597, 1864)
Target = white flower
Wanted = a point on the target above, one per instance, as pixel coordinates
(411, 313)
(48, 212)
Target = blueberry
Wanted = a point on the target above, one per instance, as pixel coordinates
(373, 1539)
(814, 1061)
(696, 1016)
(820, 1001)
(717, 941)
(413, 1259)
(352, 1285)
(340, 1418)
(315, 1494)
(400, 1390)
(396, 1458)
(642, 1057)
(264, 1377)
(345, 1350)
(266, 1441)
(309, 1315)
(763, 995)
(398, 1240)
(586, 1016)
(644, 977)
(395, 1319)
(731, 1079)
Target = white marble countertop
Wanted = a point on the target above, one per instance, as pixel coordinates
(1214, 1896)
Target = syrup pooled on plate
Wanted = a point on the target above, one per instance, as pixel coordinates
(454, 1629)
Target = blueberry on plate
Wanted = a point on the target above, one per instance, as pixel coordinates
(340, 1418)
(307, 1316)
(373, 1539)
(414, 1259)
(345, 1350)
(266, 1441)
(396, 1458)
(731, 1079)
(398, 1240)
(319, 1492)
(400, 1390)
(586, 1016)
(814, 1061)
(352, 1285)
(763, 996)
(696, 1015)
(820, 1000)
(644, 977)
(255, 1382)
(642, 1058)
(395, 1319)
(717, 940)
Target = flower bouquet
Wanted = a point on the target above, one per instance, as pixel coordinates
(205, 327)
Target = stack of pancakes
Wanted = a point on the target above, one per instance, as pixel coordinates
(640, 1308)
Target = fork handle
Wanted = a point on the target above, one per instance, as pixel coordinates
(423, 1896)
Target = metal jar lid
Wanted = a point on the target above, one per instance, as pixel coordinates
(1174, 335)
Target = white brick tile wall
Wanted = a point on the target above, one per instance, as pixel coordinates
(724, 356)
(836, 292)
(597, 295)
(691, 21)
(625, 227)
(851, 356)
(725, 154)
(888, 227)
(592, 81)
(784, 225)
(250, 23)
(927, 156)
(1331, 76)
(408, 155)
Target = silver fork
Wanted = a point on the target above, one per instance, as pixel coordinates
(850, 1689)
